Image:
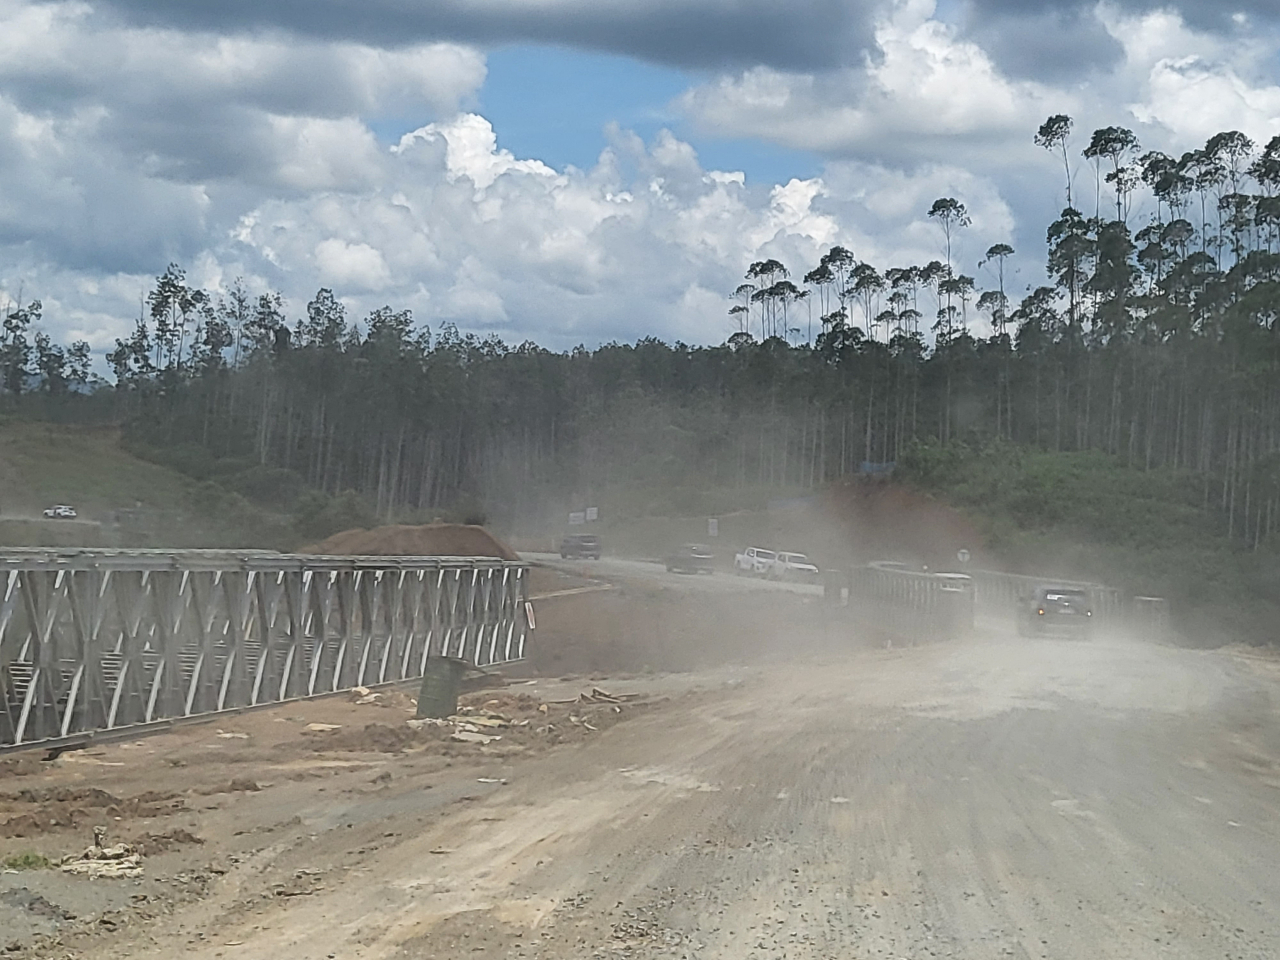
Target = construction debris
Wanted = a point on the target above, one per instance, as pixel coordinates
(101, 862)
(522, 715)
(363, 695)
(468, 736)
(416, 724)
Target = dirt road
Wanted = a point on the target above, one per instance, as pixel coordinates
(987, 799)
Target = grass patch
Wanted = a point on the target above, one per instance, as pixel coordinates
(26, 861)
(123, 499)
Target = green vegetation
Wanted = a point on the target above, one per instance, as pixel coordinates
(1122, 420)
(26, 861)
(121, 498)
(1088, 515)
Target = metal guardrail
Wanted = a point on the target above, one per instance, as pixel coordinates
(999, 591)
(916, 603)
(96, 640)
(913, 603)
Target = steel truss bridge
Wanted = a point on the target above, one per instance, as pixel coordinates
(112, 640)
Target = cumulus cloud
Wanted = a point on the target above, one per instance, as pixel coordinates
(646, 241)
(473, 235)
(932, 92)
(133, 134)
(927, 92)
(355, 266)
(1189, 86)
(121, 148)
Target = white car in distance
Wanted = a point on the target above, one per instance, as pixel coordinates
(60, 511)
(754, 561)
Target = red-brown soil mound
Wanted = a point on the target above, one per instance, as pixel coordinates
(428, 540)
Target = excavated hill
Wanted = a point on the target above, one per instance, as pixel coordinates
(428, 540)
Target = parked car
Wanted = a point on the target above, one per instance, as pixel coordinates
(1060, 610)
(60, 511)
(583, 546)
(754, 561)
(794, 566)
(691, 558)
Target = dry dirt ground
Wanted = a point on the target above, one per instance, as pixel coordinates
(807, 798)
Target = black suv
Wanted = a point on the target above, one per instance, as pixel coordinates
(1063, 610)
(691, 558)
(580, 547)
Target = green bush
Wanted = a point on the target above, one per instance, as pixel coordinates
(319, 515)
(273, 487)
(26, 861)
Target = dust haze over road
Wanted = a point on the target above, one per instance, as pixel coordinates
(987, 798)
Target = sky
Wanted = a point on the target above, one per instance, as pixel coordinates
(569, 171)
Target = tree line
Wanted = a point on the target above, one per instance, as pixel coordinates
(1154, 341)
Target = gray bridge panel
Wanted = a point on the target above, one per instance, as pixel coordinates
(99, 640)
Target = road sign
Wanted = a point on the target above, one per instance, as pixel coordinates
(577, 518)
(962, 556)
(713, 527)
(593, 513)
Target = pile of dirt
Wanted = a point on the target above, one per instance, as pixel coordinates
(18, 767)
(41, 811)
(152, 843)
(428, 540)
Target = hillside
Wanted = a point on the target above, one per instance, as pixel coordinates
(122, 500)
(1087, 515)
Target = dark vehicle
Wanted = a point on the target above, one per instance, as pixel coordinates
(580, 547)
(1061, 610)
(692, 558)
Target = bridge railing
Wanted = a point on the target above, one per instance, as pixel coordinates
(100, 640)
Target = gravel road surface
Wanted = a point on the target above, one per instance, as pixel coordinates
(983, 799)
(995, 799)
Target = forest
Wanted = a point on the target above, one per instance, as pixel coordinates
(1154, 343)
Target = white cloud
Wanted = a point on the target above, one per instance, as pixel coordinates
(1192, 86)
(926, 87)
(124, 147)
(514, 246)
(357, 265)
(471, 150)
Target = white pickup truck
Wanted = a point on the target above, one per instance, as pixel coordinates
(794, 566)
(754, 561)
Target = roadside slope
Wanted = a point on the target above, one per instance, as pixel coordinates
(137, 503)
